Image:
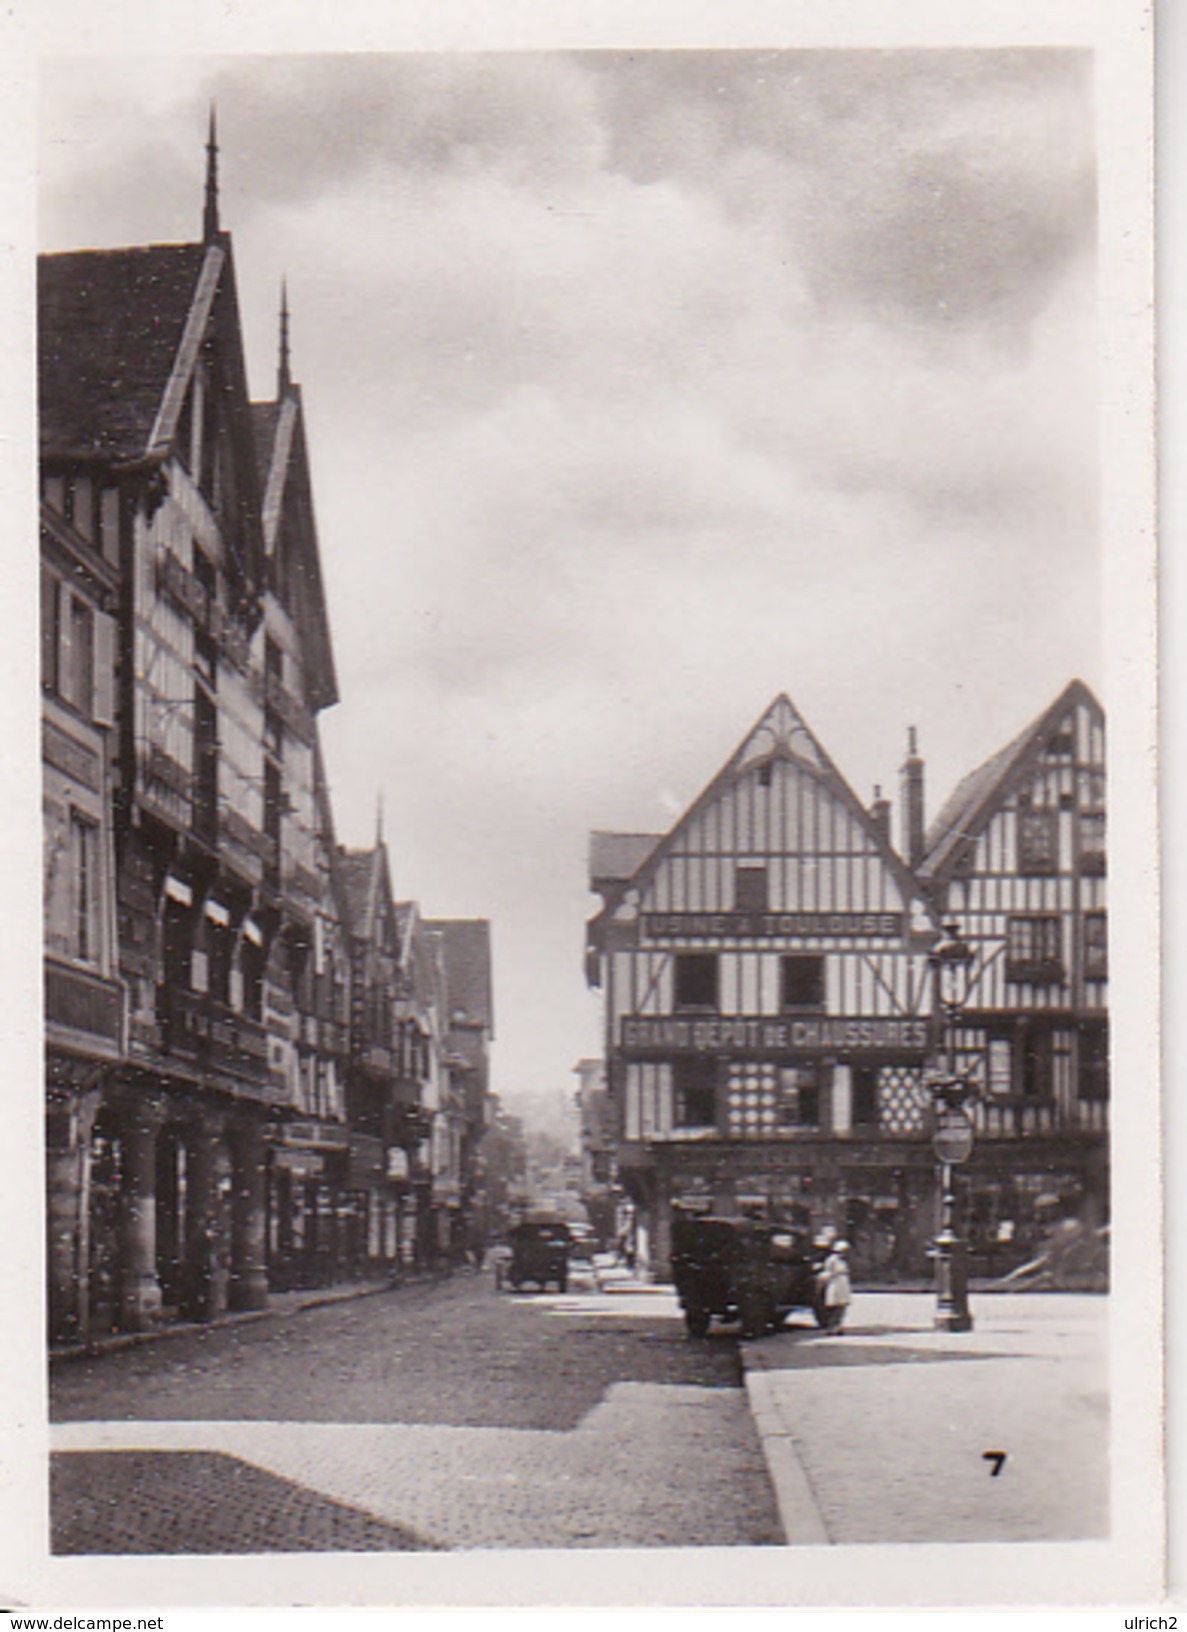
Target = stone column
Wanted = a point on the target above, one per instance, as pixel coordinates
(69, 1121)
(249, 1273)
(140, 1294)
(206, 1278)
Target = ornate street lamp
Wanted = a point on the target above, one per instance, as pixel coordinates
(951, 961)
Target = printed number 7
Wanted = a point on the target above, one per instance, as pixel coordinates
(997, 1458)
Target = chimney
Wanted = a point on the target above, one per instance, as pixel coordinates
(880, 816)
(912, 802)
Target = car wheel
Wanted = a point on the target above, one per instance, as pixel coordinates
(696, 1320)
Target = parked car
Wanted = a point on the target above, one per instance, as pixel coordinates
(539, 1253)
(738, 1269)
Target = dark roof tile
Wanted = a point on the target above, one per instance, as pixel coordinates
(109, 326)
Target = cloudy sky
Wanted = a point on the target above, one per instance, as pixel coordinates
(642, 388)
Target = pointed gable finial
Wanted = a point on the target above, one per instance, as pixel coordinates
(210, 214)
(283, 377)
(379, 819)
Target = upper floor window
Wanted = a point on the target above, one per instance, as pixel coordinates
(695, 985)
(1038, 840)
(67, 645)
(84, 852)
(694, 1093)
(802, 982)
(1096, 946)
(1092, 842)
(1094, 1060)
(750, 889)
(1034, 949)
(1038, 1062)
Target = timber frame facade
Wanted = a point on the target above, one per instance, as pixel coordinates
(769, 1003)
(1017, 856)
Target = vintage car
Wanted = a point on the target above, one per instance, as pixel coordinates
(540, 1247)
(743, 1270)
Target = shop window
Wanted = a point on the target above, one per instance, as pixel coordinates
(803, 982)
(695, 980)
(865, 1096)
(694, 1092)
(750, 889)
(1096, 946)
(1094, 1060)
(1034, 949)
(799, 1096)
(1038, 840)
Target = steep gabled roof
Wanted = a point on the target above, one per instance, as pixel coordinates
(288, 521)
(978, 794)
(466, 955)
(365, 887)
(110, 327)
(615, 858)
(780, 732)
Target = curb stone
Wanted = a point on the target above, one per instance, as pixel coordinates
(799, 1513)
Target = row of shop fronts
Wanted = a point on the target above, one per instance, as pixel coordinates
(774, 1038)
(262, 1072)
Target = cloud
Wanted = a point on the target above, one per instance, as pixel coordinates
(639, 390)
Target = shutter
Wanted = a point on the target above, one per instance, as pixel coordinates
(104, 669)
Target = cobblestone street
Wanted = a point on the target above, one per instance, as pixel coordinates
(440, 1416)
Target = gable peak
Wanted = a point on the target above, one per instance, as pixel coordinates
(781, 733)
(283, 375)
(210, 212)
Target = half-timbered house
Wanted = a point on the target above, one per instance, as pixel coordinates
(146, 430)
(767, 1003)
(1016, 857)
(306, 978)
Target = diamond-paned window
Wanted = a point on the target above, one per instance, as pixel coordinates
(900, 1101)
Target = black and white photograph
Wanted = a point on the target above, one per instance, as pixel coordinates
(591, 762)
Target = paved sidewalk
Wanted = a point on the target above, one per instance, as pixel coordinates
(279, 1304)
(881, 1434)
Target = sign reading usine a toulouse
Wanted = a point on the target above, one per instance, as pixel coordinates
(761, 1036)
(679, 926)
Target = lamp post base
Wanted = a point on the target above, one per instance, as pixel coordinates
(952, 1287)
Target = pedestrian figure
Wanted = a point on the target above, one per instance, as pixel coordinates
(835, 1287)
